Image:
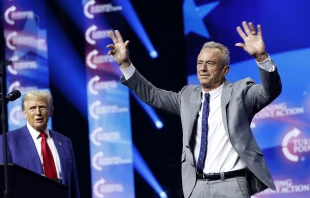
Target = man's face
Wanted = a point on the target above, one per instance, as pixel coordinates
(37, 113)
(209, 69)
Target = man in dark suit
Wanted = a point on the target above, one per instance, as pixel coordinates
(39, 149)
(220, 156)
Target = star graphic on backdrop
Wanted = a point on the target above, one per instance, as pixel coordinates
(194, 15)
(31, 29)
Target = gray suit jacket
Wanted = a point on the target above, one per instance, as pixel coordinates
(240, 102)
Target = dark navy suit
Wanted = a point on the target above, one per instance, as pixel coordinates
(22, 151)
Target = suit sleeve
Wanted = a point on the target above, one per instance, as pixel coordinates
(9, 158)
(258, 96)
(165, 100)
(74, 188)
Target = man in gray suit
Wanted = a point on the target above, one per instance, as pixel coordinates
(220, 156)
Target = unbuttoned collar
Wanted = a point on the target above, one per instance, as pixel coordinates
(214, 93)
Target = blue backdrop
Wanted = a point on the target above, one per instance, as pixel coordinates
(108, 105)
(26, 45)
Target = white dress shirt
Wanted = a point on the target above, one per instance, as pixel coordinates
(37, 142)
(224, 158)
(221, 156)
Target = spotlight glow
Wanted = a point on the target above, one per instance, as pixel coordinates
(163, 195)
(151, 113)
(159, 124)
(74, 69)
(153, 54)
(146, 173)
(130, 15)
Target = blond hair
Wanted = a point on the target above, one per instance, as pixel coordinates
(46, 95)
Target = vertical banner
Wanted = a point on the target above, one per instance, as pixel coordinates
(108, 105)
(282, 129)
(26, 45)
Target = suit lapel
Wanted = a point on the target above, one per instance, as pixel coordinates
(30, 150)
(195, 104)
(60, 149)
(226, 94)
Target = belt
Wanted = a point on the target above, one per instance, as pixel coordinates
(217, 176)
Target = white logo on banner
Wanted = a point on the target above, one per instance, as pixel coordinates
(8, 38)
(86, 6)
(95, 159)
(16, 114)
(299, 145)
(16, 15)
(92, 59)
(14, 86)
(92, 109)
(98, 161)
(91, 35)
(97, 136)
(88, 34)
(285, 142)
(91, 83)
(13, 69)
(90, 9)
(278, 110)
(97, 188)
(10, 69)
(100, 188)
(6, 15)
(94, 85)
(287, 186)
(94, 134)
(105, 85)
(12, 40)
(89, 59)
(95, 109)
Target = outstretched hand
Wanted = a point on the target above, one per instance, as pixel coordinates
(119, 49)
(253, 41)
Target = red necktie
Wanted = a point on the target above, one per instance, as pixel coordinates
(48, 160)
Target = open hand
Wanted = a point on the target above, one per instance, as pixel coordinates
(253, 41)
(119, 49)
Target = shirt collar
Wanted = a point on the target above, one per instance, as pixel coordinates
(214, 93)
(35, 134)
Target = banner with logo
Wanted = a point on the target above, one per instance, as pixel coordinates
(282, 129)
(26, 45)
(108, 104)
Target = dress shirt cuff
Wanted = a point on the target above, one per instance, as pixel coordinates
(267, 64)
(128, 72)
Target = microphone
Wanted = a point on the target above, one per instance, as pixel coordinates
(12, 96)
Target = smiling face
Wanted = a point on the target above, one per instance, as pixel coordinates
(37, 112)
(210, 71)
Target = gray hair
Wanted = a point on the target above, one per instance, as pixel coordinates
(225, 58)
(46, 95)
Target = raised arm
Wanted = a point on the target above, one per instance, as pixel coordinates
(259, 95)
